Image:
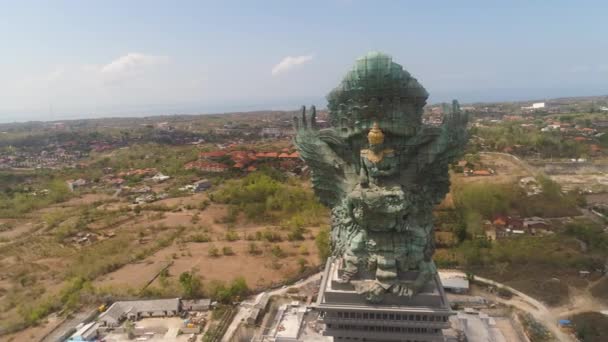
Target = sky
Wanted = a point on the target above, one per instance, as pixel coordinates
(79, 59)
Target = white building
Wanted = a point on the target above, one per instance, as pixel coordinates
(453, 281)
(534, 106)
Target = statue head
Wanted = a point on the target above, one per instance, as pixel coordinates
(375, 136)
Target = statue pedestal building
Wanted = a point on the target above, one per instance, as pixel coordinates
(349, 317)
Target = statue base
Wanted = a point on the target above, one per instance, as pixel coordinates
(348, 316)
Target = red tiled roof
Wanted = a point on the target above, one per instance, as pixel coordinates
(205, 166)
(212, 154)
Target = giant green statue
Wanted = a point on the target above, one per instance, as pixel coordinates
(381, 170)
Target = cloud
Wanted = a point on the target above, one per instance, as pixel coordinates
(131, 61)
(128, 66)
(289, 63)
(125, 80)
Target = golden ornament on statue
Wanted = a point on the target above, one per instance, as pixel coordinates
(375, 135)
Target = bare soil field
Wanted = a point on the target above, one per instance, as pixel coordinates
(260, 270)
(19, 227)
(508, 169)
(587, 182)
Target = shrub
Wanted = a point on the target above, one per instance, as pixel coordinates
(231, 235)
(213, 252)
(277, 252)
(226, 250)
(253, 249)
(200, 238)
(302, 263)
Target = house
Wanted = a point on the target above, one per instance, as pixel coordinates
(212, 154)
(142, 190)
(86, 332)
(73, 184)
(515, 222)
(195, 304)
(535, 106)
(535, 223)
(500, 221)
(117, 181)
(133, 310)
(271, 132)
(455, 282)
(159, 177)
(143, 199)
(482, 173)
(201, 185)
(206, 166)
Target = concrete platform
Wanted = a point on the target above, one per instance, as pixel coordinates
(347, 315)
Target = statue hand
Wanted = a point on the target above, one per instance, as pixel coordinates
(306, 122)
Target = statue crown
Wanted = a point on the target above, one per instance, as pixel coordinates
(375, 135)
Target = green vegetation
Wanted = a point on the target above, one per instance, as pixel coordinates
(591, 326)
(535, 331)
(190, 284)
(589, 233)
(227, 294)
(323, 243)
(545, 144)
(265, 199)
(14, 202)
(478, 201)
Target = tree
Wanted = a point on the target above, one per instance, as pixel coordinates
(190, 283)
(302, 262)
(322, 241)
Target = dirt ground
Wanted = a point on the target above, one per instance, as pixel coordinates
(259, 271)
(508, 169)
